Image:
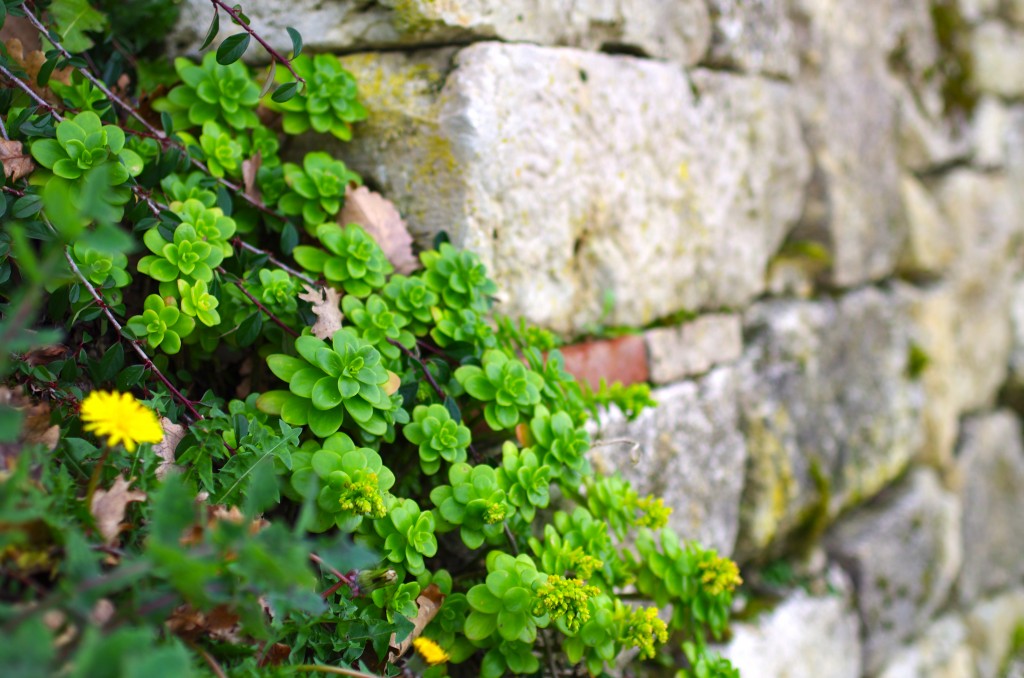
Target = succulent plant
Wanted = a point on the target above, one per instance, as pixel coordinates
(507, 601)
(211, 92)
(408, 534)
(353, 259)
(195, 186)
(397, 599)
(161, 324)
(98, 266)
(438, 437)
(223, 152)
(412, 298)
(458, 277)
(558, 441)
(317, 189)
(330, 103)
(525, 479)
(506, 386)
(474, 501)
(349, 482)
(188, 256)
(328, 380)
(278, 290)
(378, 324)
(209, 222)
(196, 301)
(85, 144)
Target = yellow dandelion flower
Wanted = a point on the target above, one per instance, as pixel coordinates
(430, 651)
(120, 418)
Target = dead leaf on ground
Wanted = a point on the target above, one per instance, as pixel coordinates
(428, 603)
(44, 355)
(35, 426)
(275, 656)
(17, 163)
(380, 218)
(108, 508)
(220, 623)
(250, 168)
(214, 514)
(326, 306)
(167, 447)
(31, 61)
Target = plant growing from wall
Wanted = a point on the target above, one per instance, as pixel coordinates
(356, 469)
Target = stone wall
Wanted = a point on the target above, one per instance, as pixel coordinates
(831, 194)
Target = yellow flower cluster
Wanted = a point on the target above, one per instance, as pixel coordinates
(430, 651)
(567, 598)
(718, 575)
(363, 497)
(121, 419)
(643, 629)
(653, 512)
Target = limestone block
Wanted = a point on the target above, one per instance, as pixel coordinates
(903, 553)
(992, 624)
(931, 243)
(694, 347)
(975, 10)
(690, 453)
(942, 651)
(1016, 380)
(803, 637)
(990, 471)
(991, 129)
(679, 30)
(998, 54)
(827, 408)
(854, 206)
(577, 175)
(754, 36)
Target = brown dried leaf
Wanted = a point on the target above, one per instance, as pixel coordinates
(166, 448)
(428, 602)
(35, 427)
(16, 162)
(379, 217)
(108, 508)
(394, 383)
(326, 306)
(31, 61)
(44, 355)
(250, 168)
(276, 655)
(221, 623)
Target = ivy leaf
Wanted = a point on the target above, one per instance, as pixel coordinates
(232, 49)
(73, 19)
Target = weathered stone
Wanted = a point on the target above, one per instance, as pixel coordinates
(990, 470)
(975, 10)
(928, 138)
(854, 205)
(803, 637)
(942, 651)
(579, 175)
(991, 129)
(998, 54)
(1016, 376)
(755, 36)
(903, 553)
(679, 30)
(690, 452)
(694, 347)
(827, 408)
(931, 243)
(992, 625)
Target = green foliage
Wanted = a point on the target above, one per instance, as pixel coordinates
(426, 453)
(475, 502)
(438, 437)
(330, 103)
(507, 386)
(161, 324)
(348, 372)
(317, 189)
(211, 92)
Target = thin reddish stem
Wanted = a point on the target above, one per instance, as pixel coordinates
(274, 54)
(238, 283)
